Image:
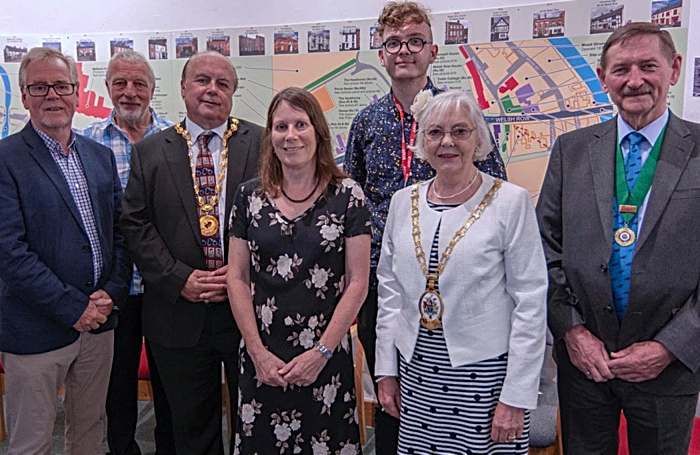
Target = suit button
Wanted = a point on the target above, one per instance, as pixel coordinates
(609, 309)
(603, 268)
(89, 284)
(86, 248)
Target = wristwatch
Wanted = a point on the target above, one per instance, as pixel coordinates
(324, 350)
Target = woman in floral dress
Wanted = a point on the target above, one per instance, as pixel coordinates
(298, 274)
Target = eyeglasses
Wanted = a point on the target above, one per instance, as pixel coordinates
(61, 89)
(458, 134)
(414, 45)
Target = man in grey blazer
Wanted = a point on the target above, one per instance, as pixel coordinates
(619, 214)
(176, 231)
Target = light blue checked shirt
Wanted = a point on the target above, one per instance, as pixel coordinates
(107, 133)
(72, 170)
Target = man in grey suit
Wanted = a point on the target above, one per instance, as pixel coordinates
(176, 206)
(619, 214)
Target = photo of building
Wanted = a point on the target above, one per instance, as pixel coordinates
(319, 41)
(667, 13)
(52, 44)
(375, 39)
(221, 44)
(457, 32)
(287, 43)
(605, 19)
(251, 44)
(546, 25)
(500, 28)
(158, 49)
(116, 46)
(14, 53)
(186, 47)
(85, 50)
(349, 39)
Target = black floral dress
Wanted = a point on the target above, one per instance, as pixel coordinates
(297, 278)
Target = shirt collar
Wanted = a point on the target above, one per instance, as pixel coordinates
(650, 132)
(52, 144)
(195, 130)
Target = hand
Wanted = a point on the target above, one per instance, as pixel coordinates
(508, 423)
(390, 396)
(205, 286)
(303, 369)
(102, 301)
(640, 361)
(588, 354)
(90, 319)
(267, 366)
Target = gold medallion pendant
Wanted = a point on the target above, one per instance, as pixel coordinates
(624, 236)
(209, 225)
(431, 309)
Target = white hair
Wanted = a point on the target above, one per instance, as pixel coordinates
(444, 104)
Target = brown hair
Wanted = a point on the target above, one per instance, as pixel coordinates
(636, 29)
(270, 167)
(397, 14)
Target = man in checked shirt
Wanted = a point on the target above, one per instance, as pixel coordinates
(379, 157)
(131, 83)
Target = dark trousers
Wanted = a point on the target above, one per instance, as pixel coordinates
(386, 427)
(122, 406)
(192, 380)
(590, 417)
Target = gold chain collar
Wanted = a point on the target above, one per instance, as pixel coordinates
(461, 232)
(208, 207)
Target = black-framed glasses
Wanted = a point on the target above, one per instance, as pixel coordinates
(414, 45)
(458, 134)
(62, 89)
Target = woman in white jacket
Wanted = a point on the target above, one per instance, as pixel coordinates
(462, 296)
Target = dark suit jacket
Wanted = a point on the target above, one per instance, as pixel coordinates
(575, 212)
(46, 267)
(161, 226)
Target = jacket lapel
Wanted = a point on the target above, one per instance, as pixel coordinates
(91, 173)
(238, 145)
(601, 152)
(177, 157)
(42, 155)
(675, 153)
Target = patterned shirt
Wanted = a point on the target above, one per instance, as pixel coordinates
(373, 159)
(72, 170)
(107, 133)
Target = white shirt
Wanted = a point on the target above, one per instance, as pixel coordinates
(651, 133)
(216, 145)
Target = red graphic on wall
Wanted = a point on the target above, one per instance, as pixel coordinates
(90, 104)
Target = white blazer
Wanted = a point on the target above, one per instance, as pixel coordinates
(494, 286)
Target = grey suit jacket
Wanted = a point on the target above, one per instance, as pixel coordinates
(161, 226)
(575, 212)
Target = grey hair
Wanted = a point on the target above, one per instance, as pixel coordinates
(448, 102)
(45, 54)
(210, 53)
(130, 57)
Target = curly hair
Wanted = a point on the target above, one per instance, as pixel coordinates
(396, 14)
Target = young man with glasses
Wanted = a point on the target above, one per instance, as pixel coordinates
(63, 265)
(380, 158)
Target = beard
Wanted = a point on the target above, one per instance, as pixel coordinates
(130, 115)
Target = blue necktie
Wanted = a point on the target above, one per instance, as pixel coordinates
(621, 259)
(633, 161)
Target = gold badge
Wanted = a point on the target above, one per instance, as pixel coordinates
(431, 309)
(624, 236)
(209, 225)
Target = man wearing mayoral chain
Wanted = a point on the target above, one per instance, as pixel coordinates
(176, 206)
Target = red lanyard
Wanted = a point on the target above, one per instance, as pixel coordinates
(406, 152)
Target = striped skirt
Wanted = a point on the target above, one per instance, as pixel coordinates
(446, 410)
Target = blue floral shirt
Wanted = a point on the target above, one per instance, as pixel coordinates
(373, 159)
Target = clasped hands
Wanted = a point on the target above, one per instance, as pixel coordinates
(99, 307)
(302, 370)
(636, 363)
(206, 286)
